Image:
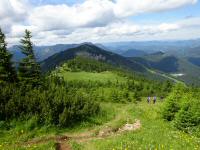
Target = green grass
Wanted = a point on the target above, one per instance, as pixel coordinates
(47, 146)
(20, 132)
(154, 134)
(82, 76)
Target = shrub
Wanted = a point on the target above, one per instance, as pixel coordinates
(183, 108)
(57, 104)
(189, 115)
(171, 108)
(173, 102)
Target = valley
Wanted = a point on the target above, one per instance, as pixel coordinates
(169, 58)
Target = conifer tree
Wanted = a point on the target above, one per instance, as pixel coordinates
(7, 71)
(29, 69)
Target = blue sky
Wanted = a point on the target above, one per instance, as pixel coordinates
(169, 16)
(172, 15)
(75, 21)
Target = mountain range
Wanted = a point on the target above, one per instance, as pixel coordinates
(41, 52)
(176, 59)
(91, 51)
(182, 68)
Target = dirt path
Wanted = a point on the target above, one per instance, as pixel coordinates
(62, 141)
(62, 146)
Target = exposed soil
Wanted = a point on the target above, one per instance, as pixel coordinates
(62, 141)
(62, 146)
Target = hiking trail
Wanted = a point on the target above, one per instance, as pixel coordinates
(62, 141)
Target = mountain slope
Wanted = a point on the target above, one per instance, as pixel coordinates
(94, 52)
(180, 68)
(194, 60)
(41, 52)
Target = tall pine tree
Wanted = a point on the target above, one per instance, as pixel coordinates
(29, 69)
(7, 71)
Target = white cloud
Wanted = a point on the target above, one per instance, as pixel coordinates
(190, 22)
(95, 13)
(115, 31)
(91, 13)
(17, 30)
(12, 12)
(126, 8)
(92, 20)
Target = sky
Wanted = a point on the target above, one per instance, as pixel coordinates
(76, 21)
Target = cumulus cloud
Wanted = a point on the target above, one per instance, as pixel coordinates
(12, 12)
(91, 20)
(126, 8)
(95, 13)
(91, 13)
(190, 22)
(127, 29)
(115, 31)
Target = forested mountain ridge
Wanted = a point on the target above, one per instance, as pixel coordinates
(94, 52)
(185, 69)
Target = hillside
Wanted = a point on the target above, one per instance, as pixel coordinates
(193, 51)
(94, 52)
(41, 52)
(99, 74)
(180, 68)
(125, 121)
(194, 60)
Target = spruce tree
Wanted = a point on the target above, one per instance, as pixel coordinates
(29, 69)
(7, 71)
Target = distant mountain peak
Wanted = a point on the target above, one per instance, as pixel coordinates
(87, 44)
(91, 51)
(158, 53)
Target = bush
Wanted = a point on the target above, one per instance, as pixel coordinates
(173, 102)
(171, 108)
(57, 104)
(189, 115)
(183, 108)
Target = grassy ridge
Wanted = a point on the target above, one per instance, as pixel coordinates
(90, 76)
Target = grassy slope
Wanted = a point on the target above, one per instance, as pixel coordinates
(154, 134)
(102, 77)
